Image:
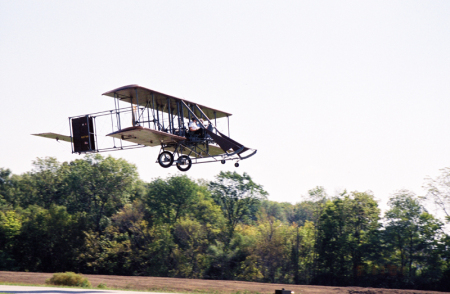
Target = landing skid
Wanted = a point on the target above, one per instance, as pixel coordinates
(184, 154)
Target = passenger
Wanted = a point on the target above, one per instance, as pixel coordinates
(194, 128)
(210, 127)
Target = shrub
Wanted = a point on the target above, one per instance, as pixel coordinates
(102, 286)
(68, 279)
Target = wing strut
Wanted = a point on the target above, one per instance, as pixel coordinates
(225, 143)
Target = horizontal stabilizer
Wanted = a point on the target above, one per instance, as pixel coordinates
(58, 137)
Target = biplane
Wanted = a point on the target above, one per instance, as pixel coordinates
(160, 120)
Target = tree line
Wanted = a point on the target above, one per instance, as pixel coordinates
(95, 216)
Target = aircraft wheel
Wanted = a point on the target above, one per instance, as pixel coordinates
(184, 163)
(222, 161)
(236, 164)
(165, 159)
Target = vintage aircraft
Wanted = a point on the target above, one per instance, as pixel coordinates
(157, 120)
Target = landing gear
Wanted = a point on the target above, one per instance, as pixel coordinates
(165, 159)
(222, 161)
(236, 164)
(184, 163)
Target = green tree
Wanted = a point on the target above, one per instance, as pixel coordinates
(43, 186)
(190, 256)
(273, 248)
(6, 187)
(108, 252)
(345, 230)
(169, 200)
(200, 228)
(364, 225)
(304, 211)
(282, 211)
(236, 194)
(305, 250)
(439, 191)
(49, 239)
(48, 182)
(10, 226)
(129, 245)
(100, 187)
(205, 210)
(411, 234)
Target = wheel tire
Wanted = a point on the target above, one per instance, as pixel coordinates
(222, 161)
(165, 159)
(236, 164)
(184, 163)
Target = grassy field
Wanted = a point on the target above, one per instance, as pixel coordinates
(176, 285)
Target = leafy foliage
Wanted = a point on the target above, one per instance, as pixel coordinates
(94, 215)
(238, 196)
(412, 235)
(68, 279)
(439, 191)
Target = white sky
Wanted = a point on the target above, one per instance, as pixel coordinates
(342, 94)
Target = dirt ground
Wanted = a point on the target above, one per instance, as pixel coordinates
(199, 286)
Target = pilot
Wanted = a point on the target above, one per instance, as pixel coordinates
(194, 128)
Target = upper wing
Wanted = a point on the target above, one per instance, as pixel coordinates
(145, 136)
(58, 137)
(136, 94)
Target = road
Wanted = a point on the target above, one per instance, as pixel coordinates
(53, 290)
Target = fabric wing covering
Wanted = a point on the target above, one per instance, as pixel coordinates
(226, 143)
